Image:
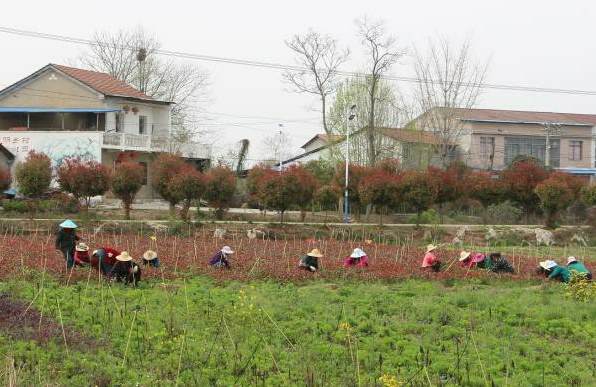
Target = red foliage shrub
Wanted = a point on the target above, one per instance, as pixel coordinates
(187, 185)
(163, 169)
(484, 188)
(382, 189)
(520, 181)
(355, 175)
(83, 179)
(257, 178)
(574, 183)
(304, 186)
(419, 190)
(126, 182)
(219, 189)
(5, 178)
(34, 175)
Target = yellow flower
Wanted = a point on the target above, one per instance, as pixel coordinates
(153, 238)
(389, 381)
(344, 326)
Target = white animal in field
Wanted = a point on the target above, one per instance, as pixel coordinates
(544, 237)
(219, 233)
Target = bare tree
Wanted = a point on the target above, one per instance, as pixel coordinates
(383, 52)
(131, 56)
(277, 146)
(449, 80)
(319, 58)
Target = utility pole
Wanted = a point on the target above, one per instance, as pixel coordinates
(281, 165)
(550, 129)
(350, 114)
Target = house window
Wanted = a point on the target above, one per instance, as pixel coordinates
(119, 119)
(142, 124)
(533, 147)
(487, 147)
(575, 150)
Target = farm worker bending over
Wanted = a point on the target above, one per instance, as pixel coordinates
(104, 258)
(66, 239)
(310, 261)
(553, 271)
(494, 262)
(221, 258)
(430, 260)
(357, 258)
(125, 269)
(150, 258)
(81, 255)
(574, 265)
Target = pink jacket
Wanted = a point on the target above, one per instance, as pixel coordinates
(429, 259)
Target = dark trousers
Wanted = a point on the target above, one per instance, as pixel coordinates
(103, 266)
(69, 257)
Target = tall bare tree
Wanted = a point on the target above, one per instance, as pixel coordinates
(383, 52)
(319, 58)
(449, 80)
(119, 54)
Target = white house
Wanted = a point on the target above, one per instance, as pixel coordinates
(69, 112)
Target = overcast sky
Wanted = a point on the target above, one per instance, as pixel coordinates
(535, 43)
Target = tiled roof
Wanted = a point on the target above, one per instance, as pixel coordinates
(103, 83)
(326, 138)
(516, 116)
(413, 136)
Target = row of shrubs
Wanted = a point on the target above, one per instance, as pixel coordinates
(525, 186)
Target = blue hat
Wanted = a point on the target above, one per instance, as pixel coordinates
(10, 191)
(68, 224)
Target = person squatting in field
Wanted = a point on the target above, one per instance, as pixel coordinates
(221, 259)
(358, 258)
(494, 262)
(126, 270)
(430, 260)
(81, 254)
(310, 261)
(66, 240)
(574, 265)
(104, 259)
(150, 258)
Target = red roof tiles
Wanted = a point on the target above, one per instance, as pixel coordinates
(103, 83)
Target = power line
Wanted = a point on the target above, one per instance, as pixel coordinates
(279, 66)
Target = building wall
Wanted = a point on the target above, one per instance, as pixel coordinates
(53, 90)
(475, 158)
(109, 157)
(157, 116)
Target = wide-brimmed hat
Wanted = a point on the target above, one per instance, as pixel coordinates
(315, 253)
(95, 252)
(124, 257)
(149, 255)
(357, 253)
(464, 255)
(571, 259)
(68, 224)
(227, 250)
(430, 248)
(81, 247)
(548, 264)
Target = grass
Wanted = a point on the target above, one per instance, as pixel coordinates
(194, 332)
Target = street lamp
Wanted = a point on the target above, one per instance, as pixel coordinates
(281, 136)
(350, 115)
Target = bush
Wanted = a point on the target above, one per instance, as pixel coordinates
(5, 178)
(163, 169)
(520, 181)
(219, 189)
(418, 191)
(83, 179)
(18, 206)
(189, 185)
(588, 195)
(127, 181)
(426, 217)
(503, 213)
(554, 196)
(580, 287)
(34, 175)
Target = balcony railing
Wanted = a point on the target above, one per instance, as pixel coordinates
(152, 143)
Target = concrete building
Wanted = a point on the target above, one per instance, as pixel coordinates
(490, 139)
(69, 112)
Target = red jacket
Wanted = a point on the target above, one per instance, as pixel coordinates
(109, 259)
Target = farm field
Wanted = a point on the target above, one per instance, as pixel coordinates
(266, 323)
